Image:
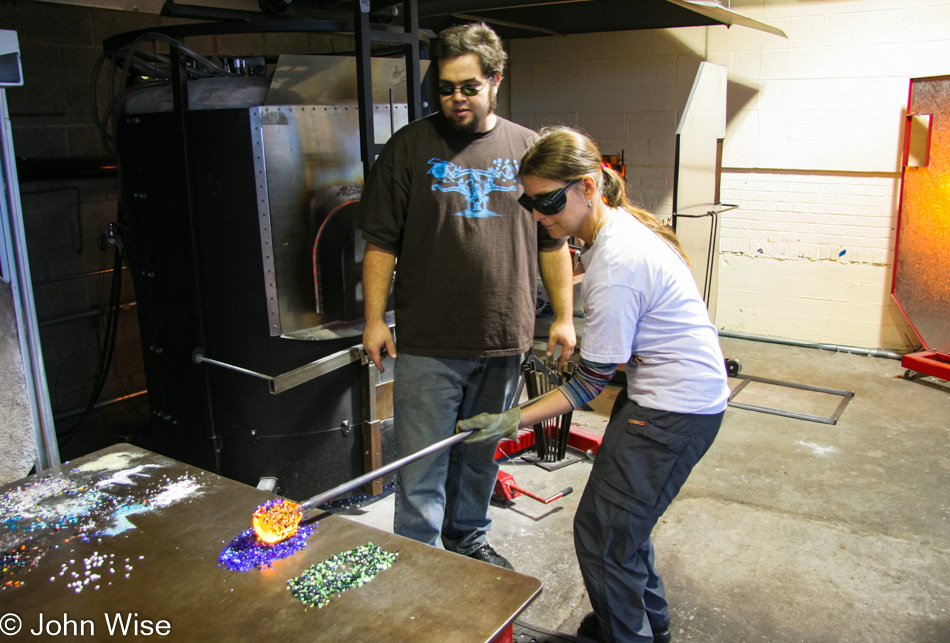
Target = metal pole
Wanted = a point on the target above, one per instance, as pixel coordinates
(834, 348)
(327, 496)
(364, 84)
(413, 81)
(31, 350)
(99, 405)
(297, 376)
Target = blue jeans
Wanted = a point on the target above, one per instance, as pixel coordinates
(446, 494)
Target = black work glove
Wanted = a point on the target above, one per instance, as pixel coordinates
(491, 427)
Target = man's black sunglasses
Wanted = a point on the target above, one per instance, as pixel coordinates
(547, 204)
(467, 90)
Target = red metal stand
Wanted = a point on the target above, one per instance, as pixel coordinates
(507, 635)
(506, 489)
(585, 440)
(928, 363)
(523, 442)
(580, 439)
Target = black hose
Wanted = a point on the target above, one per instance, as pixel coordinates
(107, 352)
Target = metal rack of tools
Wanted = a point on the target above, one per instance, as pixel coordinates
(550, 436)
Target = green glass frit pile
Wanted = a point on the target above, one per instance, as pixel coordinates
(346, 570)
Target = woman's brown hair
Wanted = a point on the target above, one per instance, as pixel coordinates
(565, 154)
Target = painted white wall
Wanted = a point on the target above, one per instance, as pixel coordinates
(812, 151)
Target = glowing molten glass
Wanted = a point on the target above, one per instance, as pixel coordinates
(276, 520)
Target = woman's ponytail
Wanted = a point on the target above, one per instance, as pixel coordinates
(614, 190)
(565, 154)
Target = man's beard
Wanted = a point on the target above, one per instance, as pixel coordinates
(468, 127)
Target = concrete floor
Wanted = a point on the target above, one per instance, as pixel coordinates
(788, 529)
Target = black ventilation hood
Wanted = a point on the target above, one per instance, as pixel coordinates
(509, 18)
(527, 18)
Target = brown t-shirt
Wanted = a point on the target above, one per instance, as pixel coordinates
(446, 204)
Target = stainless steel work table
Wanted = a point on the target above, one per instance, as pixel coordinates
(165, 568)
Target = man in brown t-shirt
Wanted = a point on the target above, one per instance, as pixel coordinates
(442, 199)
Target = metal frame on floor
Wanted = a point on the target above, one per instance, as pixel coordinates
(845, 395)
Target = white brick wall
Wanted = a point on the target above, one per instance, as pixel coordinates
(803, 216)
(826, 302)
(812, 151)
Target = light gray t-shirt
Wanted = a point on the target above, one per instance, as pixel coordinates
(644, 310)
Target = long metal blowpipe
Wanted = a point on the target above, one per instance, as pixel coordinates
(280, 521)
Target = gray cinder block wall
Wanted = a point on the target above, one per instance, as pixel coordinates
(65, 212)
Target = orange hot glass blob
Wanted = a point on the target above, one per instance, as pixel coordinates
(276, 520)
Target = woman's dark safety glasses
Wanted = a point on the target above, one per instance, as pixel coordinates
(547, 204)
(467, 90)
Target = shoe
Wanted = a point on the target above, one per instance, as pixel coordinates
(487, 554)
(590, 628)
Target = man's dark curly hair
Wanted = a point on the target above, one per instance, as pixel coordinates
(476, 38)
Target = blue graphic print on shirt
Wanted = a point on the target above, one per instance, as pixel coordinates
(475, 184)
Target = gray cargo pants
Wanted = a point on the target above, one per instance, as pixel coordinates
(643, 461)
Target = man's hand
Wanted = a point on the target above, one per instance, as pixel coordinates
(378, 342)
(491, 427)
(557, 275)
(562, 334)
(378, 268)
